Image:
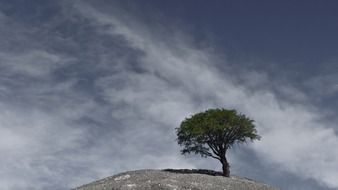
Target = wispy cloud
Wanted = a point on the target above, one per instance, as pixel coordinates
(34, 63)
(323, 85)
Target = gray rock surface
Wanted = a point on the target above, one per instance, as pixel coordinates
(173, 180)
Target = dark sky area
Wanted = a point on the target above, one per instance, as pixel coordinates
(283, 31)
(291, 41)
(89, 89)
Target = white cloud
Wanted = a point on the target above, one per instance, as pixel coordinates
(323, 85)
(34, 63)
(30, 142)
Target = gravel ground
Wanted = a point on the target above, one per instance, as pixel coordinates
(173, 180)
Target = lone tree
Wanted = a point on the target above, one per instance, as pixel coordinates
(213, 132)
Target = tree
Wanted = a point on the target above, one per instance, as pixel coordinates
(213, 132)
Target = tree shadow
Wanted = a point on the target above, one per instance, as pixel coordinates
(194, 171)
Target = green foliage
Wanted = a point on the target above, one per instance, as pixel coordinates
(213, 132)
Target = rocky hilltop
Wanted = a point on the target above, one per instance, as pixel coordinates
(174, 180)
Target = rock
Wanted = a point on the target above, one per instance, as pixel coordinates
(171, 179)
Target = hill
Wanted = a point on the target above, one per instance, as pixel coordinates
(174, 180)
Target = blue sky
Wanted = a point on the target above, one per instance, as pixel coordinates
(89, 89)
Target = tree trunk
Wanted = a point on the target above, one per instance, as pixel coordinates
(225, 167)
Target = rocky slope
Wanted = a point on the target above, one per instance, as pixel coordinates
(174, 180)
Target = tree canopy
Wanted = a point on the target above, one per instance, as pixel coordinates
(213, 132)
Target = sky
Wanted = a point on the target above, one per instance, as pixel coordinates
(89, 89)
